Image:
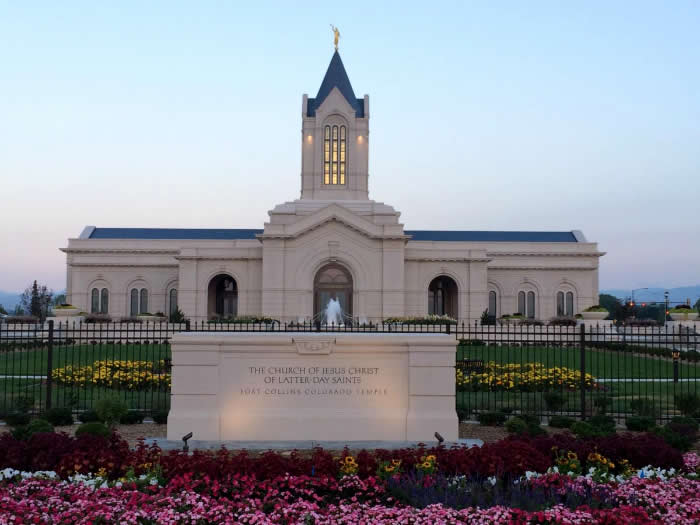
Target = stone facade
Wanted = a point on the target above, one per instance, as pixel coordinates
(389, 271)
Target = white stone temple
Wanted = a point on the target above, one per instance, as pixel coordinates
(331, 242)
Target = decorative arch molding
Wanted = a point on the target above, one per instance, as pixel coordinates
(532, 306)
(527, 284)
(205, 280)
(565, 298)
(99, 302)
(313, 262)
(443, 295)
(444, 273)
(139, 284)
(566, 285)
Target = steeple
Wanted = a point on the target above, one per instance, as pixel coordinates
(335, 140)
(336, 76)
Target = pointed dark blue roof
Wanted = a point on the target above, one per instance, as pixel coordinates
(336, 77)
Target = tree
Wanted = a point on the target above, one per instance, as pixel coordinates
(612, 304)
(59, 299)
(36, 300)
(697, 305)
(2, 310)
(18, 310)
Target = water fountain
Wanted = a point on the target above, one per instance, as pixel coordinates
(333, 312)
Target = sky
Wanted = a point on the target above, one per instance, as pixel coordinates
(483, 116)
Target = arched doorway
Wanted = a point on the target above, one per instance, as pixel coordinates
(332, 281)
(222, 297)
(442, 297)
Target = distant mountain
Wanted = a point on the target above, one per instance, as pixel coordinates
(9, 300)
(675, 295)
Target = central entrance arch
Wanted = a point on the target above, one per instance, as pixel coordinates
(332, 281)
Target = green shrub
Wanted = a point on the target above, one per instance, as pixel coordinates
(687, 404)
(516, 425)
(59, 416)
(36, 426)
(640, 423)
(160, 416)
(643, 407)
(491, 418)
(585, 430)
(561, 422)
(131, 418)
(674, 439)
(603, 423)
(554, 401)
(17, 419)
(95, 429)
(596, 308)
(684, 420)
(110, 411)
(89, 416)
(562, 321)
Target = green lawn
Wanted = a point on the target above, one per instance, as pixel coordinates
(35, 361)
(599, 363)
(602, 364)
(77, 397)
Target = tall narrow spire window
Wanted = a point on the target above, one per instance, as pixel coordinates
(334, 155)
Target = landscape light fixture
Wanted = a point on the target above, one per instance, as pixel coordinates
(440, 439)
(187, 436)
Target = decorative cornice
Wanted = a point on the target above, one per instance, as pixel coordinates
(218, 258)
(557, 268)
(123, 265)
(121, 251)
(448, 258)
(545, 254)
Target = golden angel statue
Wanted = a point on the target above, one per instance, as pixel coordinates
(336, 36)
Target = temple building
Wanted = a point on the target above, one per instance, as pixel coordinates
(331, 242)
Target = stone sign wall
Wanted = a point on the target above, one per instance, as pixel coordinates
(324, 387)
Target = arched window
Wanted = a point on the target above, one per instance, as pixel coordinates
(143, 302)
(173, 301)
(565, 303)
(521, 303)
(531, 305)
(134, 302)
(560, 304)
(334, 155)
(526, 304)
(570, 303)
(492, 304)
(95, 301)
(99, 301)
(104, 301)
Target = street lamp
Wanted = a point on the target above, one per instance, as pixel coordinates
(666, 310)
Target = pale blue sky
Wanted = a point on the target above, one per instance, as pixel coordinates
(508, 115)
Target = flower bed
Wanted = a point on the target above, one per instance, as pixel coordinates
(525, 377)
(130, 375)
(55, 478)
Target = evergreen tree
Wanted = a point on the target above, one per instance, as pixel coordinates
(35, 301)
(2, 310)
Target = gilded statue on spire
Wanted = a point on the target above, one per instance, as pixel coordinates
(336, 36)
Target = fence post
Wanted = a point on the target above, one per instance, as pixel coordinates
(582, 351)
(49, 366)
(187, 325)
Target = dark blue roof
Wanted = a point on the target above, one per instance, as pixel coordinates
(336, 77)
(173, 233)
(482, 236)
(417, 235)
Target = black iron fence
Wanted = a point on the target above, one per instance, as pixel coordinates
(542, 370)
(577, 371)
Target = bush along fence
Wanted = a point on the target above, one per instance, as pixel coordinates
(577, 371)
(569, 370)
